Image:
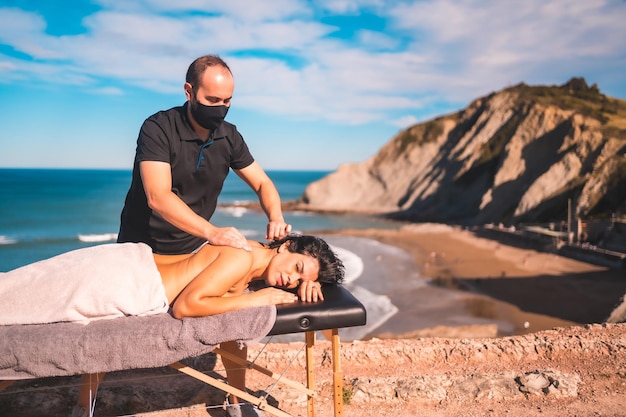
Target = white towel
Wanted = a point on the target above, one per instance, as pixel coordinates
(98, 282)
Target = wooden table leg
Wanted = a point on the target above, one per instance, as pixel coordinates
(337, 374)
(310, 372)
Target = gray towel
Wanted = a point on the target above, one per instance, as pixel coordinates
(63, 349)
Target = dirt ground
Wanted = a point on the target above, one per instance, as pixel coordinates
(409, 377)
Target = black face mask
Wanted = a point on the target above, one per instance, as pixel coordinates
(209, 117)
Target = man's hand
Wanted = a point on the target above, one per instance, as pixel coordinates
(310, 291)
(277, 230)
(228, 236)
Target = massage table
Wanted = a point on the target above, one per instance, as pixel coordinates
(63, 349)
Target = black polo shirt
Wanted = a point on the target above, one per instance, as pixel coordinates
(199, 169)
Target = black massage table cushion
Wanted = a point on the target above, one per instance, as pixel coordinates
(338, 310)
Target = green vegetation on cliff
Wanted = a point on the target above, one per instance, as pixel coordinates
(578, 96)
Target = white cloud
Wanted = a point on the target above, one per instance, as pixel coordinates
(24, 31)
(478, 46)
(109, 91)
(530, 31)
(348, 7)
(405, 122)
(285, 62)
(6, 65)
(244, 10)
(15, 21)
(376, 40)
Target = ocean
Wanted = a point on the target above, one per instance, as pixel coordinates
(45, 212)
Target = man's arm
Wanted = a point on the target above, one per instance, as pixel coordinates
(269, 198)
(157, 183)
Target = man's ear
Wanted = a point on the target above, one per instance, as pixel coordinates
(188, 91)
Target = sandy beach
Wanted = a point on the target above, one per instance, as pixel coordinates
(484, 288)
(445, 283)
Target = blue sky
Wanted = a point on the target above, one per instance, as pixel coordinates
(318, 83)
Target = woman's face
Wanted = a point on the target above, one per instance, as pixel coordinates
(287, 269)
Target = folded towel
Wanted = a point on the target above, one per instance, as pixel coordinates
(63, 349)
(98, 282)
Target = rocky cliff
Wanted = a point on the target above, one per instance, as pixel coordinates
(517, 155)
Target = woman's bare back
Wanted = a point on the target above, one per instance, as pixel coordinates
(178, 271)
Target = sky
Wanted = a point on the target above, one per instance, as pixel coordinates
(317, 83)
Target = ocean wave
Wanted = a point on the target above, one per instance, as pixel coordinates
(249, 233)
(300, 213)
(352, 263)
(103, 237)
(234, 211)
(6, 241)
(379, 309)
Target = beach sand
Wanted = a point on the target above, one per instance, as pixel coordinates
(484, 288)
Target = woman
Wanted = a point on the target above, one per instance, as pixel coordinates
(214, 280)
(117, 280)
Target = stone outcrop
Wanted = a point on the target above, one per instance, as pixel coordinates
(517, 155)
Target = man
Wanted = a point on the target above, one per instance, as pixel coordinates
(183, 157)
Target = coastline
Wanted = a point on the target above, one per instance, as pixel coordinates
(482, 288)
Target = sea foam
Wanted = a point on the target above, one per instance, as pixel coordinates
(6, 241)
(102, 237)
(352, 263)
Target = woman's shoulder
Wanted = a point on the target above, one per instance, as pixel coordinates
(240, 255)
(210, 253)
(224, 261)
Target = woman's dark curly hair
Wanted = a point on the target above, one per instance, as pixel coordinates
(331, 267)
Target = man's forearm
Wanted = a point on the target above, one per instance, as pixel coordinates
(270, 202)
(176, 212)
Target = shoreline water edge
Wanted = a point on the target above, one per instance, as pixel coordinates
(435, 280)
